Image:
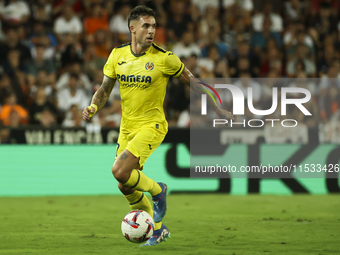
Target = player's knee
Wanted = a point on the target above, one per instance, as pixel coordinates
(114, 169)
(119, 174)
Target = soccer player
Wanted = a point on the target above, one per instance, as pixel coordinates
(143, 70)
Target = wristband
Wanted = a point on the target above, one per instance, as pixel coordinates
(90, 108)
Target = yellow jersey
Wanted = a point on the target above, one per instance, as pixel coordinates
(143, 79)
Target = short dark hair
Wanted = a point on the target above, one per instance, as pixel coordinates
(138, 11)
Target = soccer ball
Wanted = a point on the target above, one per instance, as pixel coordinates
(137, 226)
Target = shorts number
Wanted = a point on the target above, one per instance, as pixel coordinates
(117, 149)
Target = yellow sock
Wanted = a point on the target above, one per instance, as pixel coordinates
(138, 200)
(139, 181)
(158, 225)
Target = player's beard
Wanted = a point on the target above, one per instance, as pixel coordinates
(145, 43)
(148, 42)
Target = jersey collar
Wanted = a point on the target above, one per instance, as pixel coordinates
(138, 55)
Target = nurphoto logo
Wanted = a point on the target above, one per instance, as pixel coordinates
(238, 101)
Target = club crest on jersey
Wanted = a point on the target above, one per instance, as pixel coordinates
(149, 66)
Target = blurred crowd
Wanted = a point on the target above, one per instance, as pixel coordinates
(52, 53)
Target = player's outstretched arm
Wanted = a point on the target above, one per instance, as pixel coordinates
(185, 79)
(99, 98)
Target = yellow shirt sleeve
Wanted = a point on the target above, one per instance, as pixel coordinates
(172, 65)
(109, 68)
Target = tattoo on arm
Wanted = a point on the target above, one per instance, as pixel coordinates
(124, 155)
(102, 95)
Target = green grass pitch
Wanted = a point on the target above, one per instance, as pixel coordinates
(199, 224)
